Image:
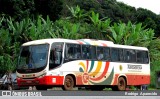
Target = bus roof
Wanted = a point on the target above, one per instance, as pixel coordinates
(43, 41)
(79, 41)
(129, 47)
(83, 41)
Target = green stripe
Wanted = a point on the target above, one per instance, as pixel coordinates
(81, 70)
(108, 80)
(92, 65)
(85, 42)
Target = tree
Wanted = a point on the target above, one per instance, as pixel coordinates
(14, 33)
(77, 14)
(51, 8)
(98, 27)
(66, 29)
(18, 9)
(130, 34)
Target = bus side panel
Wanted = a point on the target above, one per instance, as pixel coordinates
(89, 72)
(135, 74)
(133, 79)
(138, 79)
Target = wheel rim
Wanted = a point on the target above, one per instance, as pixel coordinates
(68, 83)
(121, 84)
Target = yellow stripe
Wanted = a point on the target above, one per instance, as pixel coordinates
(82, 64)
(94, 43)
(99, 65)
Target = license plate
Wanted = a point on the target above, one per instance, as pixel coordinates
(29, 81)
(28, 75)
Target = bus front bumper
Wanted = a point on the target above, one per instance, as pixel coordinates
(46, 80)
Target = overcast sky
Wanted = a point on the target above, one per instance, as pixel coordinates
(153, 5)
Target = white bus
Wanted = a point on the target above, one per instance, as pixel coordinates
(94, 64)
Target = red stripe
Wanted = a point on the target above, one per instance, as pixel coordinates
(80, 42)
(104, 44)
(79, 80)
(103, 74)
(87, 66)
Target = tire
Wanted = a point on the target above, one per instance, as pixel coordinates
(68, 83)
(121, 84)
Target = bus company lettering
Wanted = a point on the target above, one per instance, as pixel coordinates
(135, 67)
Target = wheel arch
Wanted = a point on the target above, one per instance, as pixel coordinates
(73, 76)
(124, 76)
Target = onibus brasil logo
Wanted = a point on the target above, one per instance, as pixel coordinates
(21, 93)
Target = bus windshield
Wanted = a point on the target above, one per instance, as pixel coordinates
(33, 58)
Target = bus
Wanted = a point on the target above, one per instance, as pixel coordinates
(88, 63)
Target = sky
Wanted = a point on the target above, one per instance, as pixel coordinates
(153, 5)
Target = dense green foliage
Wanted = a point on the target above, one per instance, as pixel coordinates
(23, 20)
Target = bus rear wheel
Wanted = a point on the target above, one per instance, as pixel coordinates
(121, 84)
(68, 83)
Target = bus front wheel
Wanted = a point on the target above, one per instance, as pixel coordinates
(68, 83)
(121, 84)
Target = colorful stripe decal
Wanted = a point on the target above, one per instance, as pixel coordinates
(87, 66)
(107, 81)
(92, 65)
(99, 65)
(82, 65)
(103, 74)
(88, 76)
(79, 42)
(96, 43)
(104, 44)
(85, 42)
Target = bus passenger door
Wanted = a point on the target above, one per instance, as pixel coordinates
(55, 59)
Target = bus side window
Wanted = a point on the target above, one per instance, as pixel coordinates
(100, 55)
(107, 53)
(115, 54)
(92, 52)
(85, 51)
(78, 52)
(121, 55)
(130, 55)
(142, 57)
(126, 56)
(145, 57)
(70, 53)
(73, 51)
(139, 57)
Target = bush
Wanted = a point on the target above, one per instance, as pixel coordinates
(155, 66)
